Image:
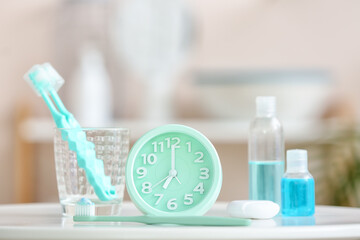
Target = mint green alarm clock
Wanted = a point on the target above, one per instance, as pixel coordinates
(173, 170)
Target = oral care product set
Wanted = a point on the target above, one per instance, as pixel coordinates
(294, 190)
(173, 173)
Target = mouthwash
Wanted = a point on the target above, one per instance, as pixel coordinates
(266, 152)
(297, 186)
(265, 177)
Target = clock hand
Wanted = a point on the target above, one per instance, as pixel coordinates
(161, 181)
(172, 172)
(167, 182)
(173, 158)
(177, 179)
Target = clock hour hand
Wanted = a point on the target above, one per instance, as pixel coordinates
(172, 174)
(167, 182)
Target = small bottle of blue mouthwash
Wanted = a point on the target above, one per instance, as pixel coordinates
(266, 152)
(297, 186)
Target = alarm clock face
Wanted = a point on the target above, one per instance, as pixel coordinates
(173, 170)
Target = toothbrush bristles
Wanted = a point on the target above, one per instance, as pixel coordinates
(43, 78)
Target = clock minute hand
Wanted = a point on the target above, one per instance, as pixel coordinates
(172, 172)
(173, 158)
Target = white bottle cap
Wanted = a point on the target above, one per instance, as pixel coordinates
(296, 160)
(265, 106)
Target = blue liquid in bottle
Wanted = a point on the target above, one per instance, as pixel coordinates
(265, 180)
(298, 197)
(266, 152)
(297, 186)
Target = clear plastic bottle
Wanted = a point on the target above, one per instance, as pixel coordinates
(297, 186)
(266, 152)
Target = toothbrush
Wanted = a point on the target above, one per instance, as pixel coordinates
(45, 81)
(85, 212)
(179, 220)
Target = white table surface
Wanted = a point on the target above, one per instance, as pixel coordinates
(44, 221)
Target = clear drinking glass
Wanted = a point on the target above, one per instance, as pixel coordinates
(111, 147)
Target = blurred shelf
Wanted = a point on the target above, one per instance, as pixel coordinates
(40, 130)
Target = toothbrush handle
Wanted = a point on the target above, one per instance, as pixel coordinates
(60, 105)
(180, 220)
(57, 116)
(199, 221)
(58, 101)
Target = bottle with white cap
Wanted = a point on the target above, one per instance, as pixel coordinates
(266, 152)
(297, 186)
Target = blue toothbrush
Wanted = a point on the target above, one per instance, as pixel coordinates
(85, 212)
(46, 82)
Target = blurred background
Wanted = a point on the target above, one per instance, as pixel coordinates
(143, 63)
